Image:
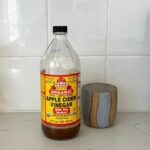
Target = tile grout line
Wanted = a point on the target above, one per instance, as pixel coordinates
(12, 57)
(1, 57)
(128, 55)
(106, 44)
(15, 57)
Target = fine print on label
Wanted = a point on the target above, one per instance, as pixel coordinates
(60, 99)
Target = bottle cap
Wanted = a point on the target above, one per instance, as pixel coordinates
(59, 29)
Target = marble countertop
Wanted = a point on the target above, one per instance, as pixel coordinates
(22, 131)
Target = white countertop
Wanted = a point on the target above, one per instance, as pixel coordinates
(22, 131)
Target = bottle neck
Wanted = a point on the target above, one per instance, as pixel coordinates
(60, 35)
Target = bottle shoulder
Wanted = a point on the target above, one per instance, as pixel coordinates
(60, 58)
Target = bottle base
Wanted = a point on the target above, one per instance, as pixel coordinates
(60, 134)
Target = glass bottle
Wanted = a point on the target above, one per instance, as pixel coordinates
(60, 84)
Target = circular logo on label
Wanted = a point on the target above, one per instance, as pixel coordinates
(48, 114)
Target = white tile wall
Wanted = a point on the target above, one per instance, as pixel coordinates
(23, 27)
(90, 72)
(129, 27)
(20, 82)
(86, 20)
(132, 76)
(124, 61)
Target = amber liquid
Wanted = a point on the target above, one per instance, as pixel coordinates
(61, 134)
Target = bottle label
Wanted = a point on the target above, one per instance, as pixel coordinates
(60, 99)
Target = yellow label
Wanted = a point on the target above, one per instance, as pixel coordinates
(60, 99)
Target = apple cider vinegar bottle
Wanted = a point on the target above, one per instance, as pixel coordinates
(60, 88)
